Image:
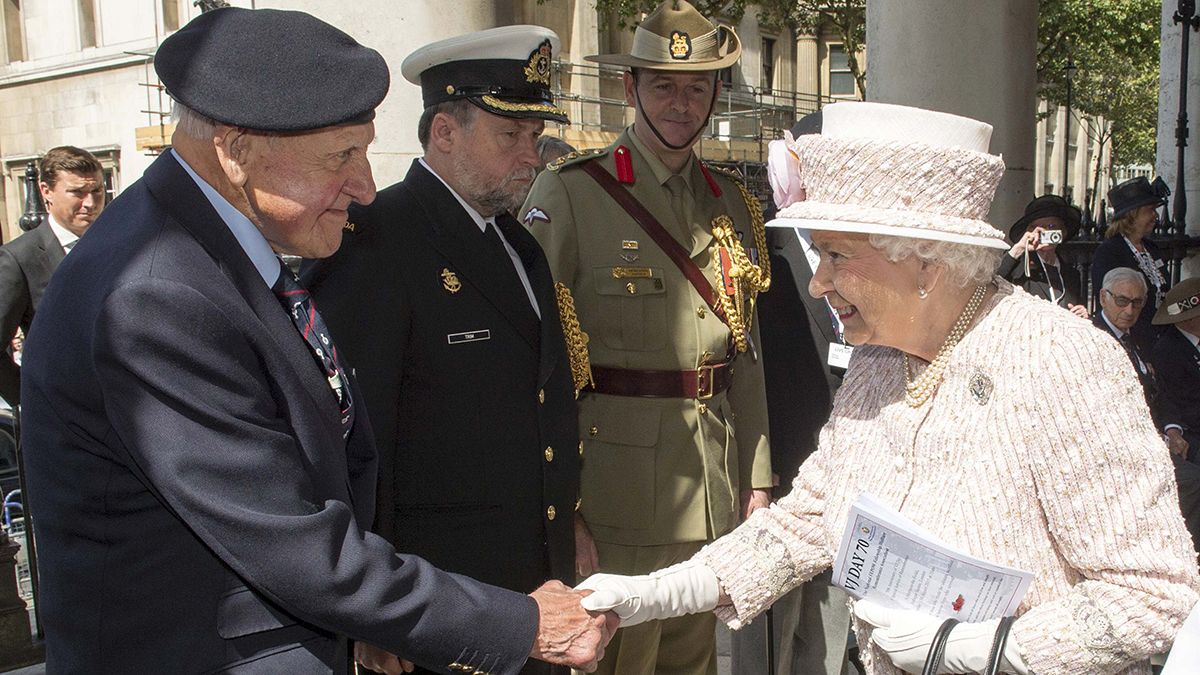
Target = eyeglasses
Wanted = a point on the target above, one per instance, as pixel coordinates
(1123, 301)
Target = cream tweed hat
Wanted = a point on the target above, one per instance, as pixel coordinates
(877, 168)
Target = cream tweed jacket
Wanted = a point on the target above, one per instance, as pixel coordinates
(1057, 470)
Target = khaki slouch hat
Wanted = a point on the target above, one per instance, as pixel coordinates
(676, 36)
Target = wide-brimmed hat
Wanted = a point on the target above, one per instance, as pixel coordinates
(505, 71)
(1136, 192)
(1044, 207)
(1182, 303)
(676, 36)
(877, 168)
(272, 70)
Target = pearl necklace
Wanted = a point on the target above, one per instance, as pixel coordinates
(918, 391)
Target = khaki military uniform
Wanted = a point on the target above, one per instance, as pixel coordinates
(660, 475)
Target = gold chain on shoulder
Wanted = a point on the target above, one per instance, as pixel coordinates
(574, 154)
(576, 339)
(748, 278)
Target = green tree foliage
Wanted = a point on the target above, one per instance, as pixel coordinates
(1115, 47)
(846, 17)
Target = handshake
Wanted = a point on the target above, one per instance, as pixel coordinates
(574, 626)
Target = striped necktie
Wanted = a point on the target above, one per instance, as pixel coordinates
(300, 306)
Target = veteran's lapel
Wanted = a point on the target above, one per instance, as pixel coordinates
(458, 238)
(180, 196)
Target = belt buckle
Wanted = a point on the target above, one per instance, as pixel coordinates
(704, 382)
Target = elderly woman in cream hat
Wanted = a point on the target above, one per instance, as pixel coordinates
(944, 417)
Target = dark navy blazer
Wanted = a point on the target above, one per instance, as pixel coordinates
(197, 508)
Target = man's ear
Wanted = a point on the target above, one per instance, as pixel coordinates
(444, 131)
(630, 81)
(234, 148)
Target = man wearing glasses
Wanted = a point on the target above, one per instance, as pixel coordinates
(1122, 296)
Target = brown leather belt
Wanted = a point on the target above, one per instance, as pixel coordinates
(702, 383)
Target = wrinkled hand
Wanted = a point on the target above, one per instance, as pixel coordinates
(686, 588)
(379, 660)
(1079, 311)
(569, 635)
(587, 558)
(753, 500)
(1176, 443)
(1028, 242)
(906, 635)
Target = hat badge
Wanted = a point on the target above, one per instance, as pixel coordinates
(538, 70)
(681, 45)
(450, 281)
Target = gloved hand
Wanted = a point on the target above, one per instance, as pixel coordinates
(686, 588)
(906, 635)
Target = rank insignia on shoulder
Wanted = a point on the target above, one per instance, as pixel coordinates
(534, 215)
(573, 157)
(450, 281)
(349, 226)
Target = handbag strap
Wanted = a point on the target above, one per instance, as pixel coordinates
(995, 656)
(937, 648)
(652, 227)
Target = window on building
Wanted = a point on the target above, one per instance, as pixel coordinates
(841, 80)
(170, 15)
(87, 23)
(14, 39)
(768, 65)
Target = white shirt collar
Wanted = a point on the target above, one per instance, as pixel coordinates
(480, 221)
(1191, 338)
(251, 240)
(65, 237)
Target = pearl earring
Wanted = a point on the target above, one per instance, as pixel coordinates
(922, 293)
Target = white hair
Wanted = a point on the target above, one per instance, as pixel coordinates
(191, 123)
(966, 264)
(1118, 274)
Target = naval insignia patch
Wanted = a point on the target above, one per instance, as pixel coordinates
(538, 70)
(450, 281)
(535, 215)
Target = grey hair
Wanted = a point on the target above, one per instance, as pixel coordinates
(459, 109)
(966, 264)
(550, 148)
(191, 123)
(1118, 274)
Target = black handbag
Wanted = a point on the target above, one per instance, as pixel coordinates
(937, 648)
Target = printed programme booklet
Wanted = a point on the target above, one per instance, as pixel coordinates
(892, 560)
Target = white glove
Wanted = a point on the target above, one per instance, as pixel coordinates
(906, 635)
(686, 588)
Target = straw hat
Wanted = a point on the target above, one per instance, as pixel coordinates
(676, 36)
(887, 169)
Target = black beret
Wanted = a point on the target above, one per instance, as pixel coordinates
(273, 70)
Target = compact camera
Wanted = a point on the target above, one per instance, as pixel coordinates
(1051, 237)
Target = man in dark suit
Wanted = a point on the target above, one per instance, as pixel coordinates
(463, 363)
(1176, 359)
(199, 456)
(1122, 296)
(72, 185)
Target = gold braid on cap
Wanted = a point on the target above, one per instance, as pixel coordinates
(576, 339)
(748, 278)
(496, 103)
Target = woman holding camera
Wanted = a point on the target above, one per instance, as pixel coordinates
(1135, 204)
(943, 416)
(1033, 263)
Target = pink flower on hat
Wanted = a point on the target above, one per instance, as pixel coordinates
(783, 170)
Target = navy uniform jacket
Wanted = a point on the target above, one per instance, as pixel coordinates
(1144, 370)
(1177, 363)
(198, 510)
(470, 394)
(26, 264)
(1114, 253)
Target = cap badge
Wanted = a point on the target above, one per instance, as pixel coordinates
(538, 70)
(681, 45)
(450, 281)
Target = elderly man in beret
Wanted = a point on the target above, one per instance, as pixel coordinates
(199, 455)
(463, 363)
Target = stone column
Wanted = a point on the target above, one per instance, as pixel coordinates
(1168, 112)
(979, 63)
